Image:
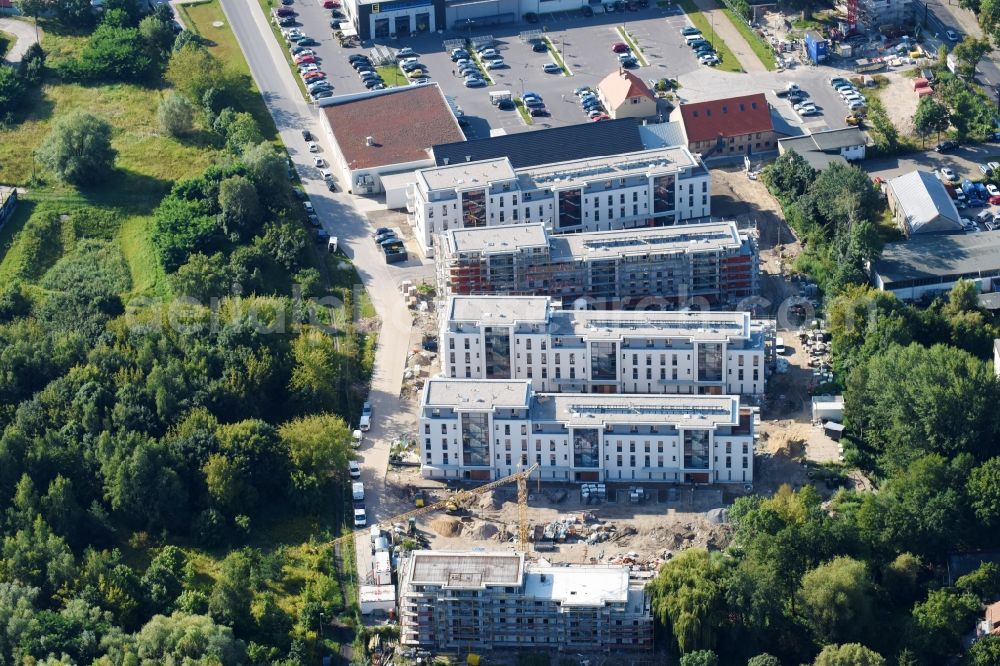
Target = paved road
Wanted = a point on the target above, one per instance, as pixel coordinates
(342, 216)
(942, 16)
(26, 35)
(725, 29)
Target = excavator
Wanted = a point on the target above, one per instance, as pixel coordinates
(454, 503)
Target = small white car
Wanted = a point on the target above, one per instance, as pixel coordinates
(313, 148)
(993, 190)
(948, 174)
(318, 162)
(356, 438)
(360, 518)
(354, 469)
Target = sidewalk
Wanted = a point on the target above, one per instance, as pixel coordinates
(24, 33)
(725, 29)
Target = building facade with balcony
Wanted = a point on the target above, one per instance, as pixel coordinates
(483, 429)
(592, 351)
(488, 600)
(638, 189)
(689, 265)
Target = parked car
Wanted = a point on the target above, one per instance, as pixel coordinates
(551, 68)
(945, 146)
(690, 30)
(306, 135)
(357, 56)
(488, 54)
(354, 469)
(313, 148)
(539, 111)
(948, 174)
(373, 84)
(308, 41)
(474, 83)
(984, 169)
(839, 81)
(496, 64)
(951, 35)
(539, 47)
(620, 47)
(323, 94)
(405, 52)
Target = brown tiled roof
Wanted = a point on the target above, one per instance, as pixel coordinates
(619, 86)
(404, 123)
(733, 116)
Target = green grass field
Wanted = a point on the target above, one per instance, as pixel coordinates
(729, 62)
(392, 75)
(763, 51)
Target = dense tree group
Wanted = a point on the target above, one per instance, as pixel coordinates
(833, 212)
(146, 440)
(860, 579)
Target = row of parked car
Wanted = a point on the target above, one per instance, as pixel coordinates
(703, 49)
(469, 69)
(625, 56)
(534, 103)
(591, 104)
(391, 245)
(849, 93)
(363, 65)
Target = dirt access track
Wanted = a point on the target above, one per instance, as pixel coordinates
(25, 34)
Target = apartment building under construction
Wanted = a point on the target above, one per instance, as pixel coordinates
(474, 601)
(696, 264)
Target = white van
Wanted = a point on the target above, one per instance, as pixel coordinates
(365, 423)
(693, 38)
(356, 438)
(358, 491)
(779, 346)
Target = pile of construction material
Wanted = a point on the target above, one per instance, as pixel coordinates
(592, 493)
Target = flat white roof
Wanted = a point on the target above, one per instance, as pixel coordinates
(613, 324)
(471, 394)
(465, 569)
(577, 585)
(377, 593)
(598, 324)
(595, 410)
(573, 173)
(681, 238)
(504, 238)
(493, 310)
(467, 175)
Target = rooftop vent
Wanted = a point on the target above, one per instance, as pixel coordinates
(369, 141)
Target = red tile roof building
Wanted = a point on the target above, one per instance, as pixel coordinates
(389, 131)
(731, 126)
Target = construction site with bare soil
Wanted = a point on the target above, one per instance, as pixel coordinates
(639, 525)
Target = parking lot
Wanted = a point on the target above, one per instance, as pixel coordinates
(584, 43)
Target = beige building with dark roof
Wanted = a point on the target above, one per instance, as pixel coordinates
(625, 95)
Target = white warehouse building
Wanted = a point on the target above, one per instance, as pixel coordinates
(601, 351)
(637, 189)
(481, 429)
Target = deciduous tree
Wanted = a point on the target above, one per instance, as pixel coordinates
(931, 117)
(835, 600)
(851, 654)
(78, 148)
(175, 114)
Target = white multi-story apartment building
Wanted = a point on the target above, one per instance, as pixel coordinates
(483, 429)
(603, 351)
(488, 600)
(638, 189)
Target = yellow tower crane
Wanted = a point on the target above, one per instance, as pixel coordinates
(456, 500)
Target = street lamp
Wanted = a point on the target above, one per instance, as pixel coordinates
(322, 619)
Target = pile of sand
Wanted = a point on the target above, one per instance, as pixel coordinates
(446, 527)
(485, 531)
